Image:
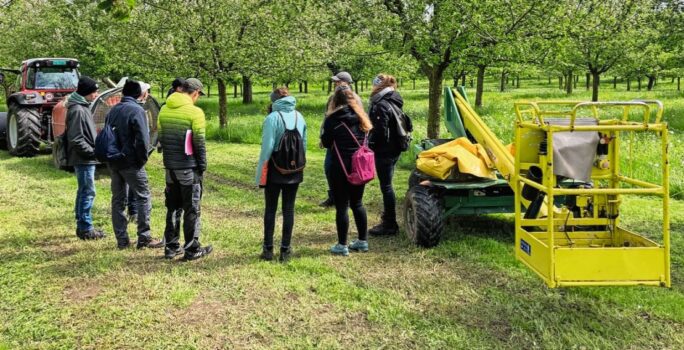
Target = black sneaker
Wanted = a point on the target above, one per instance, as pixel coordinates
(93, 234)
(149, 243)
(327, 203)
(172, 253)
(266, 254)
(200, 252)
(80, 234)
(285, 255)
(123, 245)
(384, 229)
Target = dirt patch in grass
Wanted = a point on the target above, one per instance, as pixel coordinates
(82, 291)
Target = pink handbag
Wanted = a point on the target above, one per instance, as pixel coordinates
(362, 162)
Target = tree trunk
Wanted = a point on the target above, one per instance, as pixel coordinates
(306, 86)
(517, 81)
(472, 82)
(549, 80)
(502, 84)
(463, 79)
(575, 81)
(435, 97)
(588, 77)
(568, 83)
(560, 82)
(679, 86)
(507, 79)
(301, 88)
(330, 86)
(414, 84)
(596, 81)
(639, 84)
(614, 82)
(651, 82)
(246, 90)
(161, 90)
(235, 90)
(480, 84)
(672, 82)
(629, 84)
(356, 87)
(223, 103)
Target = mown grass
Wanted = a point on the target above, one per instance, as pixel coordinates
(467, 293)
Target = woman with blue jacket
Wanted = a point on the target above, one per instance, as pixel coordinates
(283, 116)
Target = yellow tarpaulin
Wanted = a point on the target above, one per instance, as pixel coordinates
(471, 159)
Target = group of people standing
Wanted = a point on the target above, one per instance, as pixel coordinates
(181, 128)
(346, 127)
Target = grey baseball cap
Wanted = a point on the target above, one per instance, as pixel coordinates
(194, 84)
(343, 76)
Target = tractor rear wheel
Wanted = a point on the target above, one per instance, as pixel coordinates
(23, 131)
(3, 130)
(423, 216)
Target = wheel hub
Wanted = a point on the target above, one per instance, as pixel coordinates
(12, 131)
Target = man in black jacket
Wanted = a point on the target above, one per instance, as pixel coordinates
(129, 122)
(80, 132)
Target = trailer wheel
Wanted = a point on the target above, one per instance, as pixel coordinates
(423, 216)
(3, 130)
(23, 131)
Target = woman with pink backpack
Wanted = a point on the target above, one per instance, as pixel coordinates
(345, 133)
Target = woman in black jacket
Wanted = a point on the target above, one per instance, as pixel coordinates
(345, 127)
(385, 101)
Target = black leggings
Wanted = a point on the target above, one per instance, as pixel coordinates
(271, 193)
(347, 195)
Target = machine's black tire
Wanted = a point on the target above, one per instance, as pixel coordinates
(414, 179)
(28, 131)
(55, 160)
(423, 216)
(3, 130)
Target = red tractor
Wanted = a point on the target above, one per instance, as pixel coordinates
(40, 84)
(36, 110)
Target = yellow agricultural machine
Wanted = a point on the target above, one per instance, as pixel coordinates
(565, 188)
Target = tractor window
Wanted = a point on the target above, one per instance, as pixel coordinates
(52, 78)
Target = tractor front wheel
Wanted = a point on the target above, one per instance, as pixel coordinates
(423, 216)
(23, 131)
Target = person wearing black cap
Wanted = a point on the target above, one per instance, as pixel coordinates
(129, 122)
(80, 144)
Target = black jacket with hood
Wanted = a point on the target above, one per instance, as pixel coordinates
(383, 138)
(335, 132)
(80, 129)
(129, 120)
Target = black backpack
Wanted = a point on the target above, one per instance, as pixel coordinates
(402, 127)
(289, 157)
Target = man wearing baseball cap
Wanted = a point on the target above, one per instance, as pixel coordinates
(80, 143)
(340, 79)
(182, 128)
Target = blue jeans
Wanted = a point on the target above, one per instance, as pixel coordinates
(85, 176)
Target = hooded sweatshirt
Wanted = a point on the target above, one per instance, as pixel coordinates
(335, 133)
(178, 116)
(273, 130)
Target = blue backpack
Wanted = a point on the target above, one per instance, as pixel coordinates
(106, 146)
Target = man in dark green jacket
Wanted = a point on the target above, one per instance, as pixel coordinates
(181, 128)
(80, 132)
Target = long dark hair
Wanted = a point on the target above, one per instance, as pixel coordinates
(346, 97)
